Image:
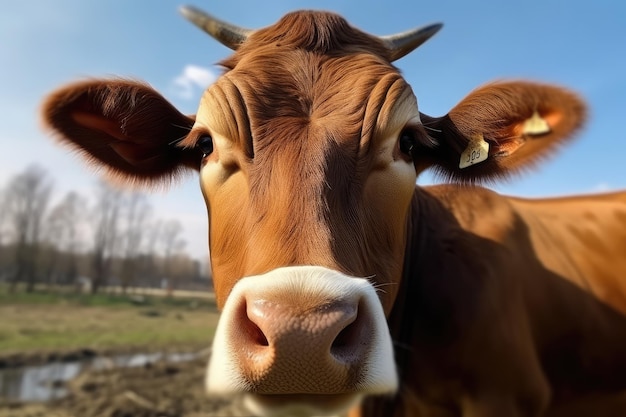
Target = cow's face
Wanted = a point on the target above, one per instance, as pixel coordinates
(308, 174)
(308, 148)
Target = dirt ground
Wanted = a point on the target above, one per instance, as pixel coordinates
(154, 390)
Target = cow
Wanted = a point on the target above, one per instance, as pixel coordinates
(344, 286)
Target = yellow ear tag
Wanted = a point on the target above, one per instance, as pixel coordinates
(477, 151)
(536, 125)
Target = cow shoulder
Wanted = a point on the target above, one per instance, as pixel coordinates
(464, 296)
(460, 244)
(474, 210)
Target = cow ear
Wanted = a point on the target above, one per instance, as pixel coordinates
(123, 126)
(501, 128)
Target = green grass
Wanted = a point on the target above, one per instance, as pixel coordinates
(65, 296)
(46, 321)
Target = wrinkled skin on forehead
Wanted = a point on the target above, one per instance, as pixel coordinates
(306, 157)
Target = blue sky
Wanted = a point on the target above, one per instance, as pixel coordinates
(578, 44)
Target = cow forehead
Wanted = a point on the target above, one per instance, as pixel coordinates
(349, 98)
(309, 68)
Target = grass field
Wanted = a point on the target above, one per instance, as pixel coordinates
(60, 321)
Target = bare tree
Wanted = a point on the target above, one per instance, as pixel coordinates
(172, 243)
(120, 225)
(136, 218)
(106, 218)
(183, 270)
(3, 217)
(65, 237)
(27, 197)
(5, 256)
(149, 264)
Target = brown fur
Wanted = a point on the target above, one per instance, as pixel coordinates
(306, 111)
(487, 111)
(315, 32)
(507, 308)
(125, 114)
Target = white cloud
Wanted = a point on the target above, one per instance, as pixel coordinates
(192, 79)
(602, 187)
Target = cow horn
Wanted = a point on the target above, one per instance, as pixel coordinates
(402, 43)
(228, 35)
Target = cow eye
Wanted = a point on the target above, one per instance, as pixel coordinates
(407, 142)
(205, 144)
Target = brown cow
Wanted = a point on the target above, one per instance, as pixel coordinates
(337, 276)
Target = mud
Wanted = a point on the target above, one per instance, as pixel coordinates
(154, 390)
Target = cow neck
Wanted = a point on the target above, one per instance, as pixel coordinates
(401, 324)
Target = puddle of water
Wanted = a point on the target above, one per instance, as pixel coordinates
(46, 382)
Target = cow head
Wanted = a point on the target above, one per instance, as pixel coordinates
(308, 148)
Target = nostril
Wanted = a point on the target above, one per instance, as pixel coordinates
(343, 339)
(348, 344)
(253, 335)
(256, 335)
(302, 333)
(269, 330)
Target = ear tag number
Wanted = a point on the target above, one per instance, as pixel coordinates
(536, 125)
(477, 151)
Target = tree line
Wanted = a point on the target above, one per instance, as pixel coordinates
(109, 238)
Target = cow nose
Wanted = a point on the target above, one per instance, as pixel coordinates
(283, 329)
(302, 331)
(314, 347)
